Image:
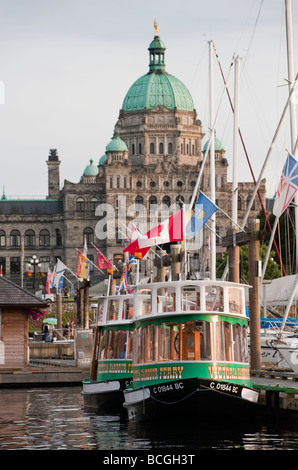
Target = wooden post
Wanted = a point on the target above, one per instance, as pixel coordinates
(233, 256)
(59, 320)
(175, 252)
(86, 305)
(254, 293)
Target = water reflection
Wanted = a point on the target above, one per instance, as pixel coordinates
(57, 418)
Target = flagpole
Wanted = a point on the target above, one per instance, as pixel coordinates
(224, 213)
(97, 266)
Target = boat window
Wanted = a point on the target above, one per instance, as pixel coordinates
(127, 309)
(145, 303)
(138, 348)
(235, 300)
(190, 298)
(149, 344)
(164, 342)
(217, 341)
(214, 298)
(100, 311)
(166, 301)
(112, 311)
(113, 344)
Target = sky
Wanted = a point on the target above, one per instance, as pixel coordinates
(66, 66)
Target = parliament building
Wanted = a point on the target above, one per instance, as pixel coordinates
(153, 158)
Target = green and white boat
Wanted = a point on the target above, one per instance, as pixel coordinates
(111, 368)
(190, 351)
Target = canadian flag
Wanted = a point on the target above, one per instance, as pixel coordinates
(170, 230)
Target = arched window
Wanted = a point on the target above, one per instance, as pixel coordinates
(152, 201)
(93, 203)
(170, 148)
(179, 184)
(152, 148)
(161, 148)
(180, 201)
(80, 204)
(139, 184)
(15, 238)
(140, 148)
(166, 200)
(2, 238)
(44, 238)
(30, 238)
(133, 149)
(152, 184)
(239, 203)
(139, 200)
(88, 235)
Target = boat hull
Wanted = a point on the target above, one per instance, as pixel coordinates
(105, 394)
(189, 398)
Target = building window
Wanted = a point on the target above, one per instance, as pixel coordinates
(152, 184)
(30, 240)
(161, 148)
(89, 235)
(111, 182)
(152, 201)
(93, 203)
(139, 200)
(140, 148)
(80, 204)
(166, 200)
(170, 148)
(118, 182)
(124, 182)
(179, 201)
(248, 201)
(15, 265)
(3, 265)
(166, 184)
(44, 238)
(58, 237)
(45, 263)
(152, 148)
(239, 203)
(15, 238)
(133, 149)
(2, 238)
(139, 184)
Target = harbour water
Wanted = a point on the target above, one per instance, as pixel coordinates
(57, 419)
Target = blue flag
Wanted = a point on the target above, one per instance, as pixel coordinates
(204, 208)
(57, 279)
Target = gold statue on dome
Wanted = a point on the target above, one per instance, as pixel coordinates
(156, 27)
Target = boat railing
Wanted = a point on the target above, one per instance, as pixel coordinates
(182, 297)
(115, 308)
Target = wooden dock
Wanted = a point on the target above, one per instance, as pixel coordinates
(43, 374)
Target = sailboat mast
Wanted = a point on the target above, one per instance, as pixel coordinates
(235, 143)
(292, 105)
(212, 167)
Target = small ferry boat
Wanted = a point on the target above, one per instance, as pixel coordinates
(190, 351)
(111, 368)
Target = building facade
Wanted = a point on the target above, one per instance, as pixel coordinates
(152, 162)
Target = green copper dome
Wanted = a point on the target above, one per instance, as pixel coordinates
(157, 87)
(91, 170)
(116, 144)
(102, 160)
(217, 144)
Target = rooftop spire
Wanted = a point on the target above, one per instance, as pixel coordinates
(156, 52)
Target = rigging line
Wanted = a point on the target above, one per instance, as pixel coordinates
(251, 170)
(253, 32)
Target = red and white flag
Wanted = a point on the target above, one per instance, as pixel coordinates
(170, 230)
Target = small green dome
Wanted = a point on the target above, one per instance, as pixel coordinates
(157, 87)
(116, 144)
(102, 160)
(91, 170)
(217, 144)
